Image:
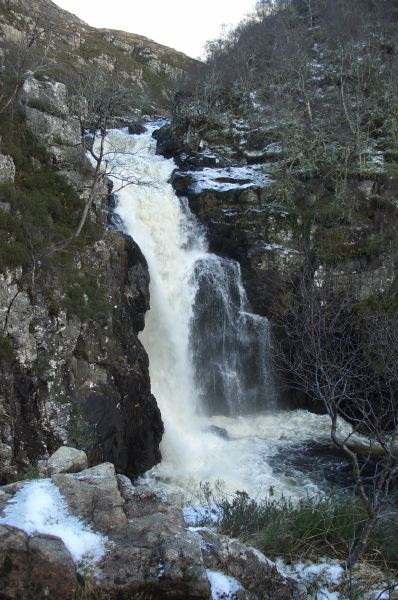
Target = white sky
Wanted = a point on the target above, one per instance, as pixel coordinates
(182, 24)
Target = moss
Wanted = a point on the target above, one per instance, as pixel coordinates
(86, 300)
(391, 156)
(81, 434)
(376, 304)
(7, 352)
(335, 253)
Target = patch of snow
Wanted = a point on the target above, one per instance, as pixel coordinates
(228, 178)
(280, 248)
(260, 556)
(38, 507)
(254, 153)
(325, 594)
(194, 515)
(222, 586)
(274, 148)
(323, 575)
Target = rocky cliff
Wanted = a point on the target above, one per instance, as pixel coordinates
(72, 367)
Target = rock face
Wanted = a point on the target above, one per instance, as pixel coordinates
(47, 117)
(96, 390)
(269, 237)
(80, 376)
(150, 553)
(7, 169)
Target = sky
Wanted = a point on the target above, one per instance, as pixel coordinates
(182, 24)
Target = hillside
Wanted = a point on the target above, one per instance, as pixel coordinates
(305, 92)
(65, 46)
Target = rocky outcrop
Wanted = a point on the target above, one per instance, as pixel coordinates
(47, 116)
(81, 379)
(7, 169)
(270, 237)
(72, 368)
(149, 551)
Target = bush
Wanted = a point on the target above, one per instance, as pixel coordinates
(307, 529)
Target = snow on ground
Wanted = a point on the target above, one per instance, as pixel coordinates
(228, 178)
(222, 586)
(198, 514)
(39, 508)
(322, 577)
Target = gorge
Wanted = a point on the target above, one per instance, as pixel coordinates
(198, 307)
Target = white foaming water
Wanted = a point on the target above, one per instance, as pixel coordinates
(204, 345)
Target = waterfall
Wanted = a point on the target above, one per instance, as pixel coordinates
(208, 354)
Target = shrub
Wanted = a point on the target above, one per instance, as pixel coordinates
(306, 529)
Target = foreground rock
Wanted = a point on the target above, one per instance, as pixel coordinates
(150, 553)
(38, 566)
(258, 576)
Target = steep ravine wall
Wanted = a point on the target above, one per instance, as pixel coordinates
(354, 243)
(352, 246)
(72, 367)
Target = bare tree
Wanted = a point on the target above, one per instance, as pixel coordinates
(96, 99)
(31, 51)
(353, 372)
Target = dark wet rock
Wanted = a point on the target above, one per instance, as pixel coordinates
(167, 143)
(220, 431)
(181, 182)
(135, 128)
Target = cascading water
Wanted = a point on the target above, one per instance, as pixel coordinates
(208, 354)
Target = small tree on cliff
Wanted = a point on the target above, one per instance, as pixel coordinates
(96, 99)
(353, 372)
(29, 50)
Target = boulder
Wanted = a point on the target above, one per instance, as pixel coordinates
(35, 567)
(67, 460)
(94, 495)
(7, 169)
(151, 552)
(46, 96)
(53, 130)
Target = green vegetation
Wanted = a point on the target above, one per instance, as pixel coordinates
(81, 433)
(7, 352)
(43, 213)
(307, 529)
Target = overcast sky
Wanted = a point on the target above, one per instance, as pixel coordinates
(181, 24)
